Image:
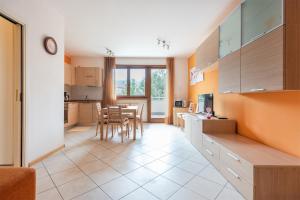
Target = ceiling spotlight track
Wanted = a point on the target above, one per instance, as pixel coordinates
(163, 43)
(109, 52)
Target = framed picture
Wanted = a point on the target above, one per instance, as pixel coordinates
(196, 75)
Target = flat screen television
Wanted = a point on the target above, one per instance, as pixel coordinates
(205, 101)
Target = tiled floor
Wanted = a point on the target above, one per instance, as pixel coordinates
(160, 165)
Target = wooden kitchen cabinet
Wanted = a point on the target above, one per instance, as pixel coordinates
(72, 114)
(73, 75)
(87, 113)
(68, 74)
(89, 76)
(208, 52)
(230, 73)
(262, 63)
(70, 77)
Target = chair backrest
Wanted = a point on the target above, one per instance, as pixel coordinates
(141, 111)
(114, 114)
(98, 106)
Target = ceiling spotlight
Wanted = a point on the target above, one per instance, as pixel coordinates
(109, 52)
(163, 44)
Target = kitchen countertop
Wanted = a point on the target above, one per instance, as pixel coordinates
(83, 101)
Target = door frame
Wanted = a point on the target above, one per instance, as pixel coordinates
(19, 155)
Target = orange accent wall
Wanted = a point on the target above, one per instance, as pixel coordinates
(67, 59)
(271, 118)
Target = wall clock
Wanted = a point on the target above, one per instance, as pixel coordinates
(50, 45)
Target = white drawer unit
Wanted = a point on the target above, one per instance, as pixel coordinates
(257, 171)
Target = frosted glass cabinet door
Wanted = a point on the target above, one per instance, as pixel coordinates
(260, 17)
(230, 34)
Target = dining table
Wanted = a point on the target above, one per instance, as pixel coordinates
(128, 110)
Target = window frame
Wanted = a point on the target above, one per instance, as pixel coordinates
(147, 79)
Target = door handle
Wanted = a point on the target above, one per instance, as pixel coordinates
(209, 152)
(227, 92)
(257, 89)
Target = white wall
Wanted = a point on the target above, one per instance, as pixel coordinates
(181, 79)
(44, 82)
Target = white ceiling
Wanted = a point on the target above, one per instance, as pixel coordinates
(130, 27)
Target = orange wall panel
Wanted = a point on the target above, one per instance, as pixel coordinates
(271, 118)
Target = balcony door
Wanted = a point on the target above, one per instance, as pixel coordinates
(159, 94)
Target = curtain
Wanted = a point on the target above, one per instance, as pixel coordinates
(170, 70)
(109, 96)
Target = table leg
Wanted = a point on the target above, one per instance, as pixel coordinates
(134, 125)
(101, 127)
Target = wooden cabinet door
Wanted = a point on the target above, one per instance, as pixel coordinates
(208, 53)
(211, 48)
(230, 73)
(85, 113)
(86, 76)
(262, 63)
(73, 76)
(99, 77)
(72, 114)
(67, 69)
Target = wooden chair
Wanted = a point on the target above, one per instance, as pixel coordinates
(99, 110)
(115, 117)
(139, 119)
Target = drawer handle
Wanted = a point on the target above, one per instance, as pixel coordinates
(210, 141)
(209, 152)
(257, 89)
(233, 173)
(233, 157)
(227, 92)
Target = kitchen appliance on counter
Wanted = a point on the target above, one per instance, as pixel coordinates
(180, 103)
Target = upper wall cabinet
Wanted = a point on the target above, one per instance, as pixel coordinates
(262, 66)
(208, 53)
(260, 17)
(69, 74)
(230, 34)
(89, 76)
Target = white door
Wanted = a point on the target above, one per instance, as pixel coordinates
(8, 92)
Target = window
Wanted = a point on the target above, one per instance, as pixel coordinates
(137, 82)
(130, 81)
(121, 82)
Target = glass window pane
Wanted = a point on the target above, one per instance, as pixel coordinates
(230, 34)
(259, 17)
(121, 82)
(137, 82)
(159, 100)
